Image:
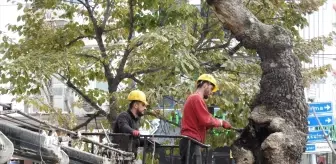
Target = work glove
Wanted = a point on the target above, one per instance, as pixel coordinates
(226, 125)
(135, 133)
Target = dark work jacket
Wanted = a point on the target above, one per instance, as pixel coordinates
(126, 123)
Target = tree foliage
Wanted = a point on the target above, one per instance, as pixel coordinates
(156, 46)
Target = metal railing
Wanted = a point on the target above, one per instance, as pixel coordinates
(146, 140)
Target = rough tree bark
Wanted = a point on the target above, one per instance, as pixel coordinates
(277, 127)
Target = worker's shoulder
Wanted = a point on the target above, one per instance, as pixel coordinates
(194, 96)
(123, 114)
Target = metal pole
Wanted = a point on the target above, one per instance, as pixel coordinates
(92, 148)
(144, 150)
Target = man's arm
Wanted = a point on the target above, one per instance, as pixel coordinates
(123, 124)
(203, 115)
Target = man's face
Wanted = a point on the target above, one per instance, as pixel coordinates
(140, 108)
(208, 90)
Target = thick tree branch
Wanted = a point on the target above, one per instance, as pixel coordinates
(247, 28)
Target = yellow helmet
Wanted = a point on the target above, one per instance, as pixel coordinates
(137, 96)
(209, 78)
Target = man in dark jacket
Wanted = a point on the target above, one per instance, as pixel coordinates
(129, 122)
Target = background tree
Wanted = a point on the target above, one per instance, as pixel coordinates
(156, 46)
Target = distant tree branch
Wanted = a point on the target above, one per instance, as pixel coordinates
(77, 39)
(205, 27)
(128, 50)
(99, 32)
(88, 56)
(136, 80)
(82, 94)
(87, 121)
(131, 20)
(107, 13)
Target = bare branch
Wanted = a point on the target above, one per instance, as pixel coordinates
(87, 121)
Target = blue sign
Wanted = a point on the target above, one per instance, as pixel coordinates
(314, 136)
(324, 120)
(320, 107)
(310, 147)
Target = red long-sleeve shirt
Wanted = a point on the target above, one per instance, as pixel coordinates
(196, 118)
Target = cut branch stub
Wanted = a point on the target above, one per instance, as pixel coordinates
(277, 127)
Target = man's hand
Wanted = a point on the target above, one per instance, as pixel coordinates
(226, 125)
(136, 133)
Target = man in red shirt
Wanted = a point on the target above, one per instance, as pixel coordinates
(197, 120)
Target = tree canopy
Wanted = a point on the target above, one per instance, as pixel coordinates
(156, 46)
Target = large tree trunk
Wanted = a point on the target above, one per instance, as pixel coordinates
(277, 127)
